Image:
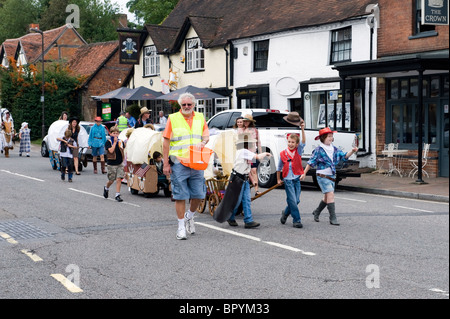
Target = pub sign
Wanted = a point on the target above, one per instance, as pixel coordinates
(435, 12)
(129, 48)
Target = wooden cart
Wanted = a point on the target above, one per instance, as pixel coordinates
(215, 189)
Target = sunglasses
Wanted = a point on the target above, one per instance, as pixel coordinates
(187, 104)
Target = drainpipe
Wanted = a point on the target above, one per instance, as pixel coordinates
(227, 55)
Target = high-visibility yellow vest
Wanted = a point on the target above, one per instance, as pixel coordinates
(184, 136)
(123, 123)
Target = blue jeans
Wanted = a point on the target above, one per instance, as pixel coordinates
(67, 162)
(245, 198)
(293, 191)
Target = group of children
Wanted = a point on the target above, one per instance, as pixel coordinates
(324, 158)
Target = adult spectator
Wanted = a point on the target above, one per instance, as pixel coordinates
(162, 118)
(144, 118)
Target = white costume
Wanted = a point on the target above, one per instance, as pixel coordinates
(6, 132)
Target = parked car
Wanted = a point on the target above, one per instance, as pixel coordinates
(273, 130)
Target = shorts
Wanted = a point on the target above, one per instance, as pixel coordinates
(115, 172)
(96, 151)
(325, 184)
(187, 183)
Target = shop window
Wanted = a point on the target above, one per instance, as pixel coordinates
(402, 112)
(324, 109)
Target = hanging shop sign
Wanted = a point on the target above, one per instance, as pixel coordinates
(435, 12)
(129, 48)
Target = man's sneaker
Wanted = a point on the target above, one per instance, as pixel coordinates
(190, 225)
(119, 199)
(105, 192)
(181, 234)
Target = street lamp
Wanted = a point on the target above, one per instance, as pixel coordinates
(43, 79)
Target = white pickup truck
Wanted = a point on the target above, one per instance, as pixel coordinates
(272, 133)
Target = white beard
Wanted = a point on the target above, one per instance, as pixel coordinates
(186, 112)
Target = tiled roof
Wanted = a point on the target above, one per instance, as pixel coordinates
(163, 37)
(32, 42)
(90, 57)
(223, 20)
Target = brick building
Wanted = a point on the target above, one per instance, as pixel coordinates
(59, 44)
(412, 71)
(99, 64)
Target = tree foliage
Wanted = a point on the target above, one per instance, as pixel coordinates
(151, 11)
(21, 90)
(98, 18)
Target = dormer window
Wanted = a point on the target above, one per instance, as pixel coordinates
(195, 55)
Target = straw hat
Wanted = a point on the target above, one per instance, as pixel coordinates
(324, 131)
(249, 117)
(144, 110)
(293, 118)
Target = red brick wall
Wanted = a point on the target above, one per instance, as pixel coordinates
(60, 50)
(397, 25)
(106, 80)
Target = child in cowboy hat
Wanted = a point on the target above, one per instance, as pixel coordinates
(325, 157)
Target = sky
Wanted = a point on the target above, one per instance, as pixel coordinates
(124, 9)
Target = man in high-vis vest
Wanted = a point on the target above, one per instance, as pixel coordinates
(184, 129)
(122, 122)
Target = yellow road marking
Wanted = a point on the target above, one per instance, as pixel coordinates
(67, 283)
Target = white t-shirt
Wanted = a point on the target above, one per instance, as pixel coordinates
(241, 162)
(67, 153)
(329, 149)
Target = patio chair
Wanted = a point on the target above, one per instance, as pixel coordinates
(386, 158)
(415, 162)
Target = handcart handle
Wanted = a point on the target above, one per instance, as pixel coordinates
(267, 190)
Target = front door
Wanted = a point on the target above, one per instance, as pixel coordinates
(443, 148)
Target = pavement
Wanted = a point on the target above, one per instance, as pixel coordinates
(434, 189)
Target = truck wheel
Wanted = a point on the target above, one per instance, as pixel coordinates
(266, 178)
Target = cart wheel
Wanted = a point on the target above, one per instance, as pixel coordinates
(134, 191)
(202, 206)
(213, 203)
(167, 192)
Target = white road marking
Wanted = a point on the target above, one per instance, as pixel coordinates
(67, 283)
(351, 199)
(32, 255)
(420, 210)
(8, 238)
(20, 175)
(440, 291)
(231, 232)
(101, 196)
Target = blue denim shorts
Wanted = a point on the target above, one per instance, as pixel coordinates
(96, 151)
(187, 183)
(325, 184)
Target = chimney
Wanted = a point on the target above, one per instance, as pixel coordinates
(123, 20)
